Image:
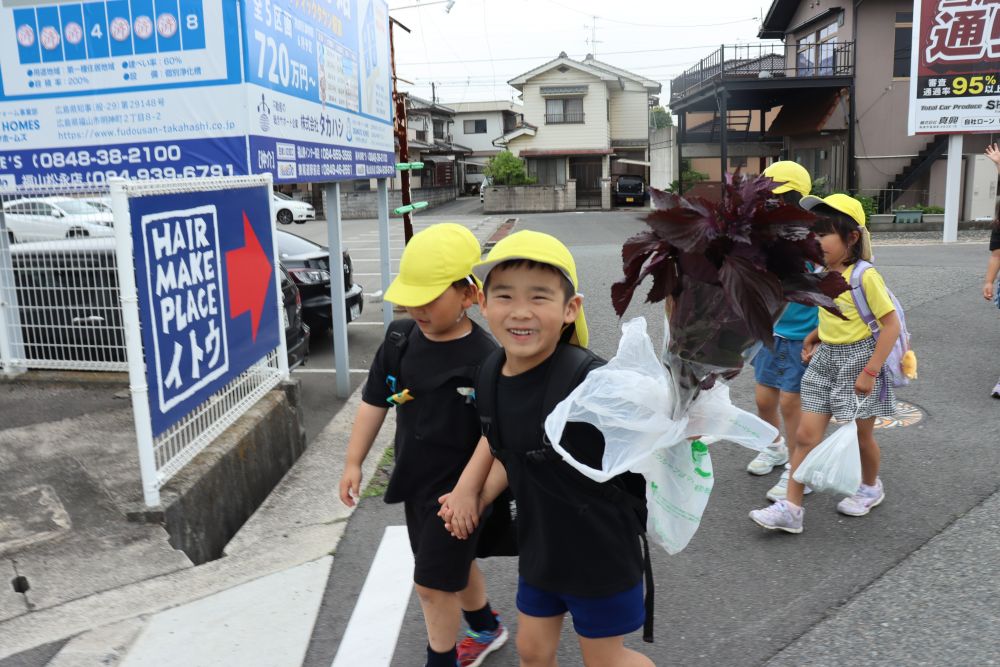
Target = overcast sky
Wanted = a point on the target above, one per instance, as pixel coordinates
(475, 49)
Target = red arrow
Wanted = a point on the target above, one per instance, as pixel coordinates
(249, 276)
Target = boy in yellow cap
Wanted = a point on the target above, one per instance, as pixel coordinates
(425, 368)
(579, 541)
(778, 370)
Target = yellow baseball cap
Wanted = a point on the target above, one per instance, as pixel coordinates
(541, 248)
(432, 260)
(850, 207)
(791, 176)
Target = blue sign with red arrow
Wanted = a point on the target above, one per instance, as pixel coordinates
(207, 295)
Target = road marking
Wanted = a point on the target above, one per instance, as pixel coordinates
(267, 621)
(371, 634)
(313, 371)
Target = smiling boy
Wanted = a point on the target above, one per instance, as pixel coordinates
(579, 541)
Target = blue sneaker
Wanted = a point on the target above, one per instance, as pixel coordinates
(477, 645)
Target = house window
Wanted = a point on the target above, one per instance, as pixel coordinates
(547, 171)
(473, 168)
(422, 135)
(475, 126)
(567, 110)
(439, 129)
(817, 52)
(903, 45)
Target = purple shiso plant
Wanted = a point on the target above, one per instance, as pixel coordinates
(726, 271)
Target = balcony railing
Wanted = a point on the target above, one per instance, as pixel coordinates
(563, 118)
(766, 61)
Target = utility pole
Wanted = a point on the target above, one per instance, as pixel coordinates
(400, 129)
(434, 95)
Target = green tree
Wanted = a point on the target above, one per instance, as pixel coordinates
(661, 117)
(505, 168)
(690, 177)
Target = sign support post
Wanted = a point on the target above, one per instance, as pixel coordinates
(337, 289)
(383, 247)
(953, 186)
(138, 387)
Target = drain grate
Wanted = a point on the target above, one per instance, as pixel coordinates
(20, 584)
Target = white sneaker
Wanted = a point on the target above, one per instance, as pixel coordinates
(779, 516)
(862, 502)
(775, 455)
(780, 490)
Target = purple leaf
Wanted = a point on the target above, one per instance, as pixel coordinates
(690, 228)
(663, 200)
(756, 294)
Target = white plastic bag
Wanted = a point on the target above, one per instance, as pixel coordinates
(835, 464)
(714, 413)
(677, 488)
(628, 400)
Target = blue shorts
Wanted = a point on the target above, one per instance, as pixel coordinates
(593, 618)
(782, 367)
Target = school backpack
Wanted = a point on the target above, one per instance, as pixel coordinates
(901, 354)
(570, 365)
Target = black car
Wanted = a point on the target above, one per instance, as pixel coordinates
(70, 310)
(308, 264)
(629, 190)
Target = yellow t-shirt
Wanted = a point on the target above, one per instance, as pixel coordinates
(836, 331)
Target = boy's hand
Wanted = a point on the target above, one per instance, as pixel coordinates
(993, 153)
(461, 513)
(988, 292)
(350, 485)
(864, 384)
(808, 350)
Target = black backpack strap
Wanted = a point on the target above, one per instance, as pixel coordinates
(397, 337)
(486, 397)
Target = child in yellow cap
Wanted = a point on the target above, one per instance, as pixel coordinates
(846, 377)
(579, 541)
(425, 368)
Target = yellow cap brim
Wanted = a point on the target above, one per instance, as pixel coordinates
(412, 296)
(581, 336)
(782, 189)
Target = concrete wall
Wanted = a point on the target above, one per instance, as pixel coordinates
(663, 157)
(363, 205)
(530, 198)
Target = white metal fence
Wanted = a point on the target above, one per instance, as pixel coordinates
(59, 306)
(68, 301)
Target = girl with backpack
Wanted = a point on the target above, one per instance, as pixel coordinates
(847, 377)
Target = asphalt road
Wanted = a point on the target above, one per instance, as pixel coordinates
(739, 595)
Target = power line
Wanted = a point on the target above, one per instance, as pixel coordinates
(648, 25)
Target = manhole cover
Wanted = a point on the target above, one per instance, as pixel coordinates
(30, 515)
(907, 414)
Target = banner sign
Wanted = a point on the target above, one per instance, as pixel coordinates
(207, 295)
(955, 66)
(191, 88)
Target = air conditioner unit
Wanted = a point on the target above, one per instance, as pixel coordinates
(980, 188)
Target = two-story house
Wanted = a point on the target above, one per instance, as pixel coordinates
(584, 120)
(831, 95)
(431, 140)
(477, 125)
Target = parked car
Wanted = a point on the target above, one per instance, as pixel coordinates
(288, 210)
(49, 218)
(70, 308)
(629, 190)
(102, 204)
(308, 264)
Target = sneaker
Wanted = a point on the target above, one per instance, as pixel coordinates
(775, 455)
(996, 390)
(862, 502)
(779, 516)
(780, 490)
(477, 645)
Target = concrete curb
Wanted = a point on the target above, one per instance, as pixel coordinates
(267, 544)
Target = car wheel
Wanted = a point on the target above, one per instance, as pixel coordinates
(285, 216)
(76, 233)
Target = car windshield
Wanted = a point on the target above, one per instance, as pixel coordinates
(290, 244)
(629, 179)
(282, 195)
(99, 205)
(76, 207)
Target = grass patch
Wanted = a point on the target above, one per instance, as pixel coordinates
(380, 479)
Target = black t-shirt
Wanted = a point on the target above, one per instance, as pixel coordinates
(437, 432)
(995, 238)
(573, 540)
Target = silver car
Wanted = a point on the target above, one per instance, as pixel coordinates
(48, 218)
